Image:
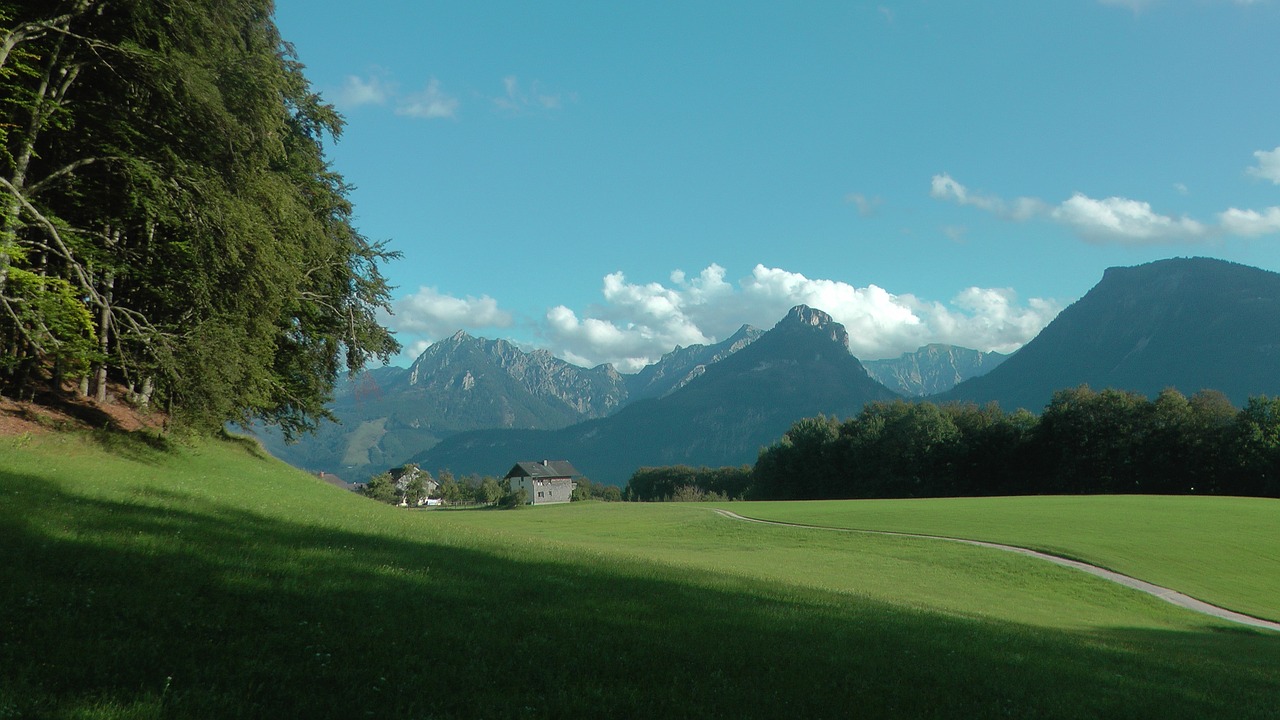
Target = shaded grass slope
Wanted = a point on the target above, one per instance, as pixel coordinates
(144, 581)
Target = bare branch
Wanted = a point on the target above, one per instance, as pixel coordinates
(35, 188)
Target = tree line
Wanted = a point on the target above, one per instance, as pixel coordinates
(168, 220)
(1085, 441)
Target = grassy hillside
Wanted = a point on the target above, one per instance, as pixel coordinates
(1224, 550)
(150, 580)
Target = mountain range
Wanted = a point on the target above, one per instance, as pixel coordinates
(1187, 323)
(932, 369)
(477, 405)
(465, 383)
(801, 367)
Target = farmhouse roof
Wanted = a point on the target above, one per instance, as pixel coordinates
(544, 469)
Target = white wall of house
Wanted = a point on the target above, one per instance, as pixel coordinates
(544, 492)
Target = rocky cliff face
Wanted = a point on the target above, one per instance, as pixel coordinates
(453, 364)
(932, 369)
(682, 365)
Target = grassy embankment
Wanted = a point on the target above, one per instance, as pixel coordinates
(203, 581)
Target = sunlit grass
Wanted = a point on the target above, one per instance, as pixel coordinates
(1225, 550)
(204, 581)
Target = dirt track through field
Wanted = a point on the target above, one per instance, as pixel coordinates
(1171, 596)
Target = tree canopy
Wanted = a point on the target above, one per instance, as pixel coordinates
(1086, 441)
(167, 216)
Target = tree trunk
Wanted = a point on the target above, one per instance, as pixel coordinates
(104, 321)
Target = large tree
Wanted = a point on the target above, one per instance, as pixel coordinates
(169, 219)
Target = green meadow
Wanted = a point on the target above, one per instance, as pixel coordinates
(145, 578)
(1223, 550)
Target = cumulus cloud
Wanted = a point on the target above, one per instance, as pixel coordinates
(1251, 223)
(1124, 220)
(371, 90)
(434, 315)
(429, 103)
(1268, 167)
(638, 323)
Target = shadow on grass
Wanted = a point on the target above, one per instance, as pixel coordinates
(146, 446)
(173, 607)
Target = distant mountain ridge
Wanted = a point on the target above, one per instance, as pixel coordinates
(1188, 323)
(524, 388)
(932, 369)
(801, 367)
(680, 366)
(466, 383)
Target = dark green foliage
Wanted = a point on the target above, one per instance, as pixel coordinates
(1084, 442)
(666, 483)
(514, 498)
(584, 489)
(490, 491)
(162, 168)
(381, 488)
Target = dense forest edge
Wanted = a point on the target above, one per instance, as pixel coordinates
(1085, 441)
(171, 234)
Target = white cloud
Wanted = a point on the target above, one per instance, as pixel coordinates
(357, 91)
(433, 314)
(516, 99)
(638, 323)
(1268, 167)
(430, 103)
(944, 187)
(990, 319)
(1251, 223)
(1123, 220)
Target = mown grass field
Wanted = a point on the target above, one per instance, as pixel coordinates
(150, 580)
(1224, 550)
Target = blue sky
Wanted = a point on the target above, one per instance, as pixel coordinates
(608, 181)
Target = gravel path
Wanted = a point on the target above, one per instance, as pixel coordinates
(1172, 596)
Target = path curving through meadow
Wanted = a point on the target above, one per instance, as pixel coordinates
(1164, 593)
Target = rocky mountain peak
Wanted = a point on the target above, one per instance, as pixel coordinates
(803, 317)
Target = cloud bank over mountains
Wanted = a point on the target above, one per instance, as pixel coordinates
(637, 323)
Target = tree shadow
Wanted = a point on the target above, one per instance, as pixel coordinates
(172, 606)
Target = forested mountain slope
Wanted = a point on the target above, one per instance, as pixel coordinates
(1188, 323)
